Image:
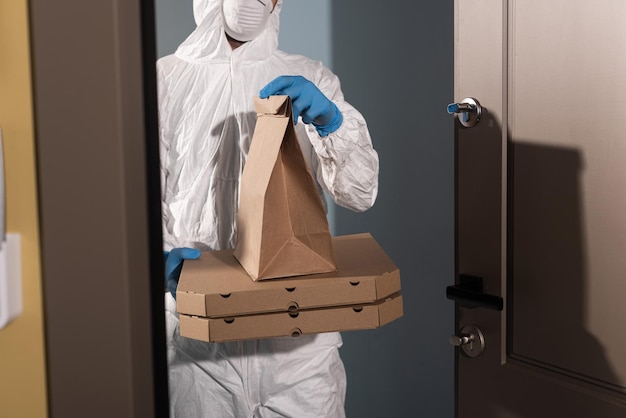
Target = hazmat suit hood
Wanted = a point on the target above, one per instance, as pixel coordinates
(208, 41)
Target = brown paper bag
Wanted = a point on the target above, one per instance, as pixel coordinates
(282, 228)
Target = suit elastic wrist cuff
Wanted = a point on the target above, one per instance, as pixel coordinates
(333, 125)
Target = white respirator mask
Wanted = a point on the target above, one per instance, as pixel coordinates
(244, 20)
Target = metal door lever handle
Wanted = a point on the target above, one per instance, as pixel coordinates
(469, 293)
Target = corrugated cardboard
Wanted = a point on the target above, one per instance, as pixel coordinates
(283, 324)
(216, 285)
(281, 222)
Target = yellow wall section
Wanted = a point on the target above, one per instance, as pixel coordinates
(22, 358)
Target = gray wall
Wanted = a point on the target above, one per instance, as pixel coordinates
(396, 67)
(174, 21)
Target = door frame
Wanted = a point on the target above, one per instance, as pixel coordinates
(94, 87)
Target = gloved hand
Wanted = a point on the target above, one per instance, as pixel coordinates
(174, 264)
(308, 102)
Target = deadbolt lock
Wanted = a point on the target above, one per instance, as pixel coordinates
(468, 111)
(470, 339)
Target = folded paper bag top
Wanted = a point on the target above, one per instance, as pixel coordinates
(282, 229)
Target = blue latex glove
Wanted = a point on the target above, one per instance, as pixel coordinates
(308, 102)
(174, 265)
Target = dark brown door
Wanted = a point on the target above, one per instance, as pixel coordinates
(541, 197)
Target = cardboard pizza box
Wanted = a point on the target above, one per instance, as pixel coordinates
(216, 285)
(294, 324)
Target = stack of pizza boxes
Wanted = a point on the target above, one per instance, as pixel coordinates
(287, 276)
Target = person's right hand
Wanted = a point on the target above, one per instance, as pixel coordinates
(307, 101)
(174, 265)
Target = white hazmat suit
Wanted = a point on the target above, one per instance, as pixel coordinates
(207, 118)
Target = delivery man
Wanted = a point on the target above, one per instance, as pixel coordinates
(207, 118)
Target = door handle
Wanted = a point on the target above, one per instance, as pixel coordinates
(468, 111)
(469, 293)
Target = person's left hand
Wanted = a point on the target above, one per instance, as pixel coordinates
(174, 265)
(308, 102)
